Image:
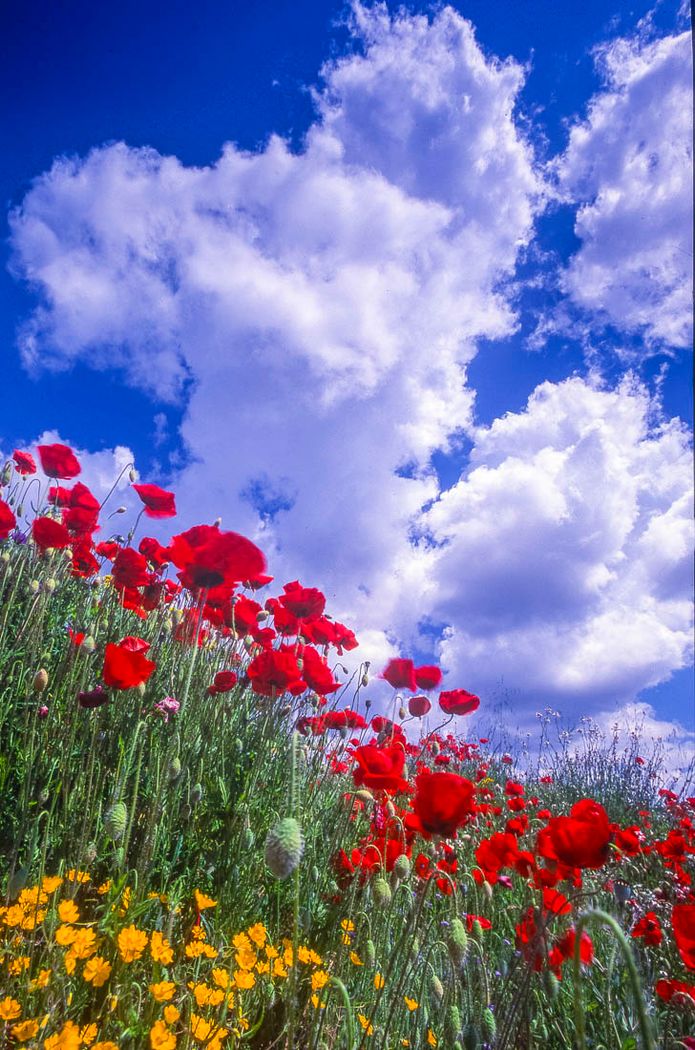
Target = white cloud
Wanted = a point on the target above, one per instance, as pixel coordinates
(629, 166)
(324, 306)
(564, 552)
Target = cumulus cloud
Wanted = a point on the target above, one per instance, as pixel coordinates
(316, 312)
(629, 166)
(562, 556)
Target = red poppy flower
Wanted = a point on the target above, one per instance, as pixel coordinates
(24, 462)
(667, 989)
(108, 549)
(58, 461)
(499, 851)
(316, 672)
(125, 663)
(242, 614)
(580, 840)
(49, 534)
(419, 706)
(153, 551)
(7, 520)
(224, 681)
(305, 603)
(208, 557)
(683, 923)
(400, 673)
(380, 767)
(649, 929)
(83, 561)
(458, 702)
(130, 569)
(427, 676)
(443, 802)
(274, 672)
(158, 502)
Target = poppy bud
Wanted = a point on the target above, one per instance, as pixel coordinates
(88, 645)
(34, 587)
(368, 704)
(196, 794)
(488, 1025)
(476, 930)
(50, 585)
(261, 615)
(402, 713)
(315, 874)
(218, 522)
(434, 747)
(487, 890)
(381, 892)
(457, 941)
(20, 510)
(5, 557)
(453, 1022)
(365, 680)
(370, 954)
(390, 808)
(41, 680)
(141, 688)
(284, 846)
(90, 853)
(364, 795)
(115, 820)
(174, 769)
(437, 987)
(133, 475)
(6, 474)
(401, 868)
(120, 510)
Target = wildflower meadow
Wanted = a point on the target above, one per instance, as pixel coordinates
(210, 837)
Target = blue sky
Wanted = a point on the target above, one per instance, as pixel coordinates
(539, 303)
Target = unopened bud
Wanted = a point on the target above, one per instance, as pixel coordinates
(120, 510)
(34, 587)
(133, 475)
(88, 645)
(284, 846)
(40, 680)
(6, 476)
(365, 680)
(20, 510)
(364, 795)
(381, 892)
(50, 585)
(402, 713)
(141, 688)
(401, 867)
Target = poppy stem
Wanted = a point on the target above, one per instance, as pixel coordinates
(602, 918)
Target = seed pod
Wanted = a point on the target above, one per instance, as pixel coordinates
(174, 771)
(381, 892)
(196, 794)
(457, 941)
(437, 987)
(370, 954)
(115, 820)
(401, 868)
(284, 846)
(452, 1025)
(488, 1025)
(40, 680)
(551, 985)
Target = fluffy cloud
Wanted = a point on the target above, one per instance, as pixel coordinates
(325, 303)
(629, 164)
(563, 554)
(317, 311)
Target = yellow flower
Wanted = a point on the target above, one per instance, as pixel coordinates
(319, 978)
(202, 901)
(78, 876)
(68, 1038)
(14, 916)
(201, 1030)
(84, 943)
(303, 954)
(50, 883)
(366, 1024)
(32, 896)
(19, 964)
(161, 1037)
(318, 1003)
(431, 1038)
(243, 979)
(25, 1030)
(131, 943)
(124, 902)
(68, 911)
(160, 949)
(378, 981)
(279, 968)
(315, 958)
(220, 977)
(163, 991)
(262, 967)
(107, 1045)
(258, 934)
(271, 952)
(171, 1014)
(347, 925)
(97, 971)
(355, 959)
(246, 959)
(412, 1004)
(33, 919)
(88, 1034)
(40, 981)
(105, 887)
(65, 935)
(10, 1009)
(241, 942)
